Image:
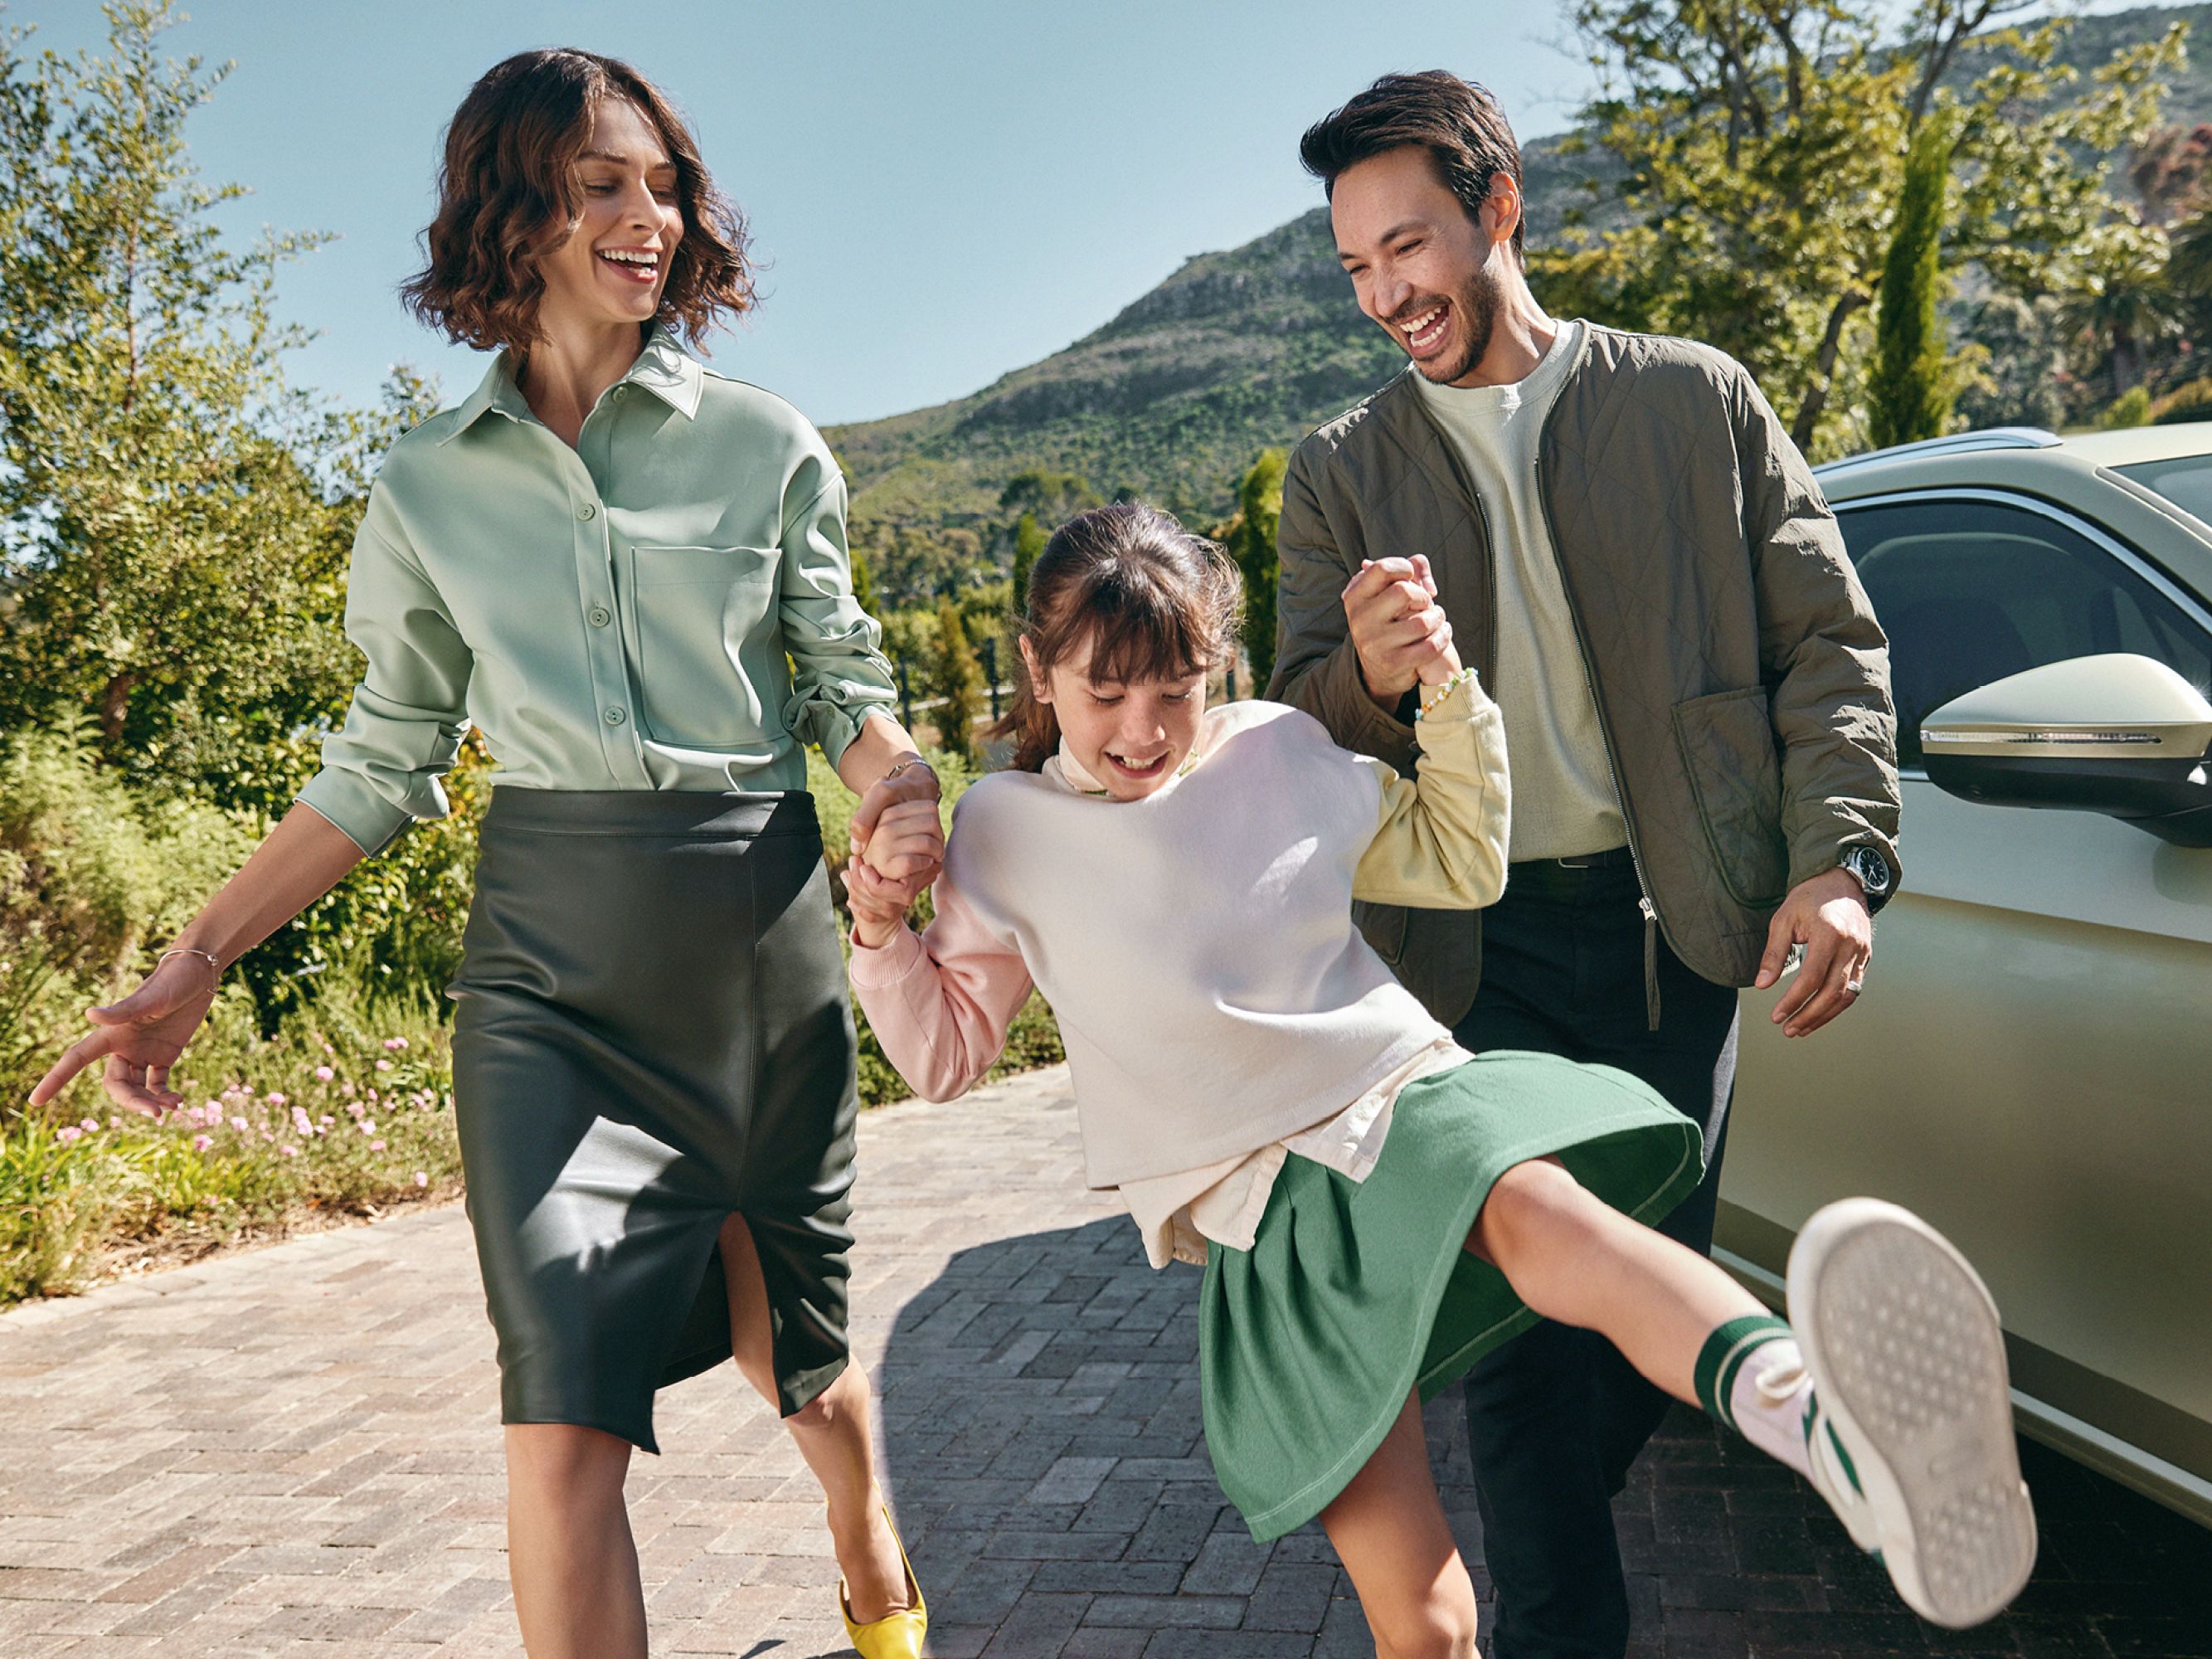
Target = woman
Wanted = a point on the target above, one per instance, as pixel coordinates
(631, 574)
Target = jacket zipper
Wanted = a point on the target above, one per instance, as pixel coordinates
(1605, 731)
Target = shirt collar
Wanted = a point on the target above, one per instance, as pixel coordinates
(663, 368)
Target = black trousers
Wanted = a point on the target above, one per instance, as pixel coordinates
(1555, 1417)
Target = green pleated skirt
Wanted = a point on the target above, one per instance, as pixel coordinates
(1355, 1293)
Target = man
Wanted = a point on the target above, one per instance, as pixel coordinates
(1619, 535)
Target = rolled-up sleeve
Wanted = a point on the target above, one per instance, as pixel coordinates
(840, 675)
(405, 727)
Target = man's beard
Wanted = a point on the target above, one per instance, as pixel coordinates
(1477, 304)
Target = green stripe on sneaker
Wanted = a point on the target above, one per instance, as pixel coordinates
(1724, 1355)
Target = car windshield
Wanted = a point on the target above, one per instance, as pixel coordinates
(2186, 480)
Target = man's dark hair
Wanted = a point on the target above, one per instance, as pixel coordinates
(1457, 122)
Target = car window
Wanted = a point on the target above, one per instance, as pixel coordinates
(1972, 590)
(2186, 480)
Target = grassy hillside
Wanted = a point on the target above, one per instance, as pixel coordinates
(1236, 351)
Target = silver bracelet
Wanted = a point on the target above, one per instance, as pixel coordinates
(908, 765)
(208, 956)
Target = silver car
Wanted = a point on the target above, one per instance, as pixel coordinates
(2030, 1065)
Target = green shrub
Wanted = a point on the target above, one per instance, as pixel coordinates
(91, 873)
(343, 1114)
(2130, 408)
(2190, 401)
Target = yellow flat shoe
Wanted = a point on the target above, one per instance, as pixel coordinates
(896, 1635)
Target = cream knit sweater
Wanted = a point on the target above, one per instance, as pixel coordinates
(1197, 946)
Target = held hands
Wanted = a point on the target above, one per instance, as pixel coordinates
(1399, 631)
(140, 1037)
(898, 849)
(1828, 916)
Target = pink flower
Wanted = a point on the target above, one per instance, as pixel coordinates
(368, 1126)
(68, 1132)
(290, 1152)
(200, 1143)
(275, 1099)
(395, 1044)
(376, 1146)
(356, 1109)
(346, 1088)
(238, 1123)
(90, 1126)
(324, 1074)
(326, 1120)
(114, 1122)
(421, 1179)
(383, 1065)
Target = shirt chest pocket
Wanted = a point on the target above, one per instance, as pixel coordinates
(705, 644)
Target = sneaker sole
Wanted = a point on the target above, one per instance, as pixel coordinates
(1906, 1351)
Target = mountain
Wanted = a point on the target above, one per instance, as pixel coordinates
(1238, 350)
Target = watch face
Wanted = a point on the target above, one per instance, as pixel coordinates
(1870, 867)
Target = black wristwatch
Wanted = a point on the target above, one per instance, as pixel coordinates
(1873, 873)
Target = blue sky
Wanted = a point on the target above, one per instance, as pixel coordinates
(943, 191)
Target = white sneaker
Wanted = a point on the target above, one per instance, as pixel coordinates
(1909, 1429)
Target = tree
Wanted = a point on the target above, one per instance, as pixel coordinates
(2167, 170)
(1252, 544)
(1762, 151)
(173, 520)
(1029, 543)
(1910, 395)
(1054, 497)
(2016, 380)
(2121, 301)
(956, 678)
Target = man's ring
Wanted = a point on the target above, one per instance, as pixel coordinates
(1854, 986)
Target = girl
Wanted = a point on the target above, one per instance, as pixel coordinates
(1375, 1208)
(605, 558)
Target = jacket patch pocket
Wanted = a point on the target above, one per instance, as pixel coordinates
(1383, 926)
(703, 643)
(1728, 748)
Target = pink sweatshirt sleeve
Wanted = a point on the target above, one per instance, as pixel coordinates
(941, 1003)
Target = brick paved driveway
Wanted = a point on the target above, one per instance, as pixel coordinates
(295, 1452)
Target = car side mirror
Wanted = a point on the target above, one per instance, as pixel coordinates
(2119, 734)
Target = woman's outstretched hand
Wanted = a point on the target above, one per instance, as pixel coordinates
(140, 1038)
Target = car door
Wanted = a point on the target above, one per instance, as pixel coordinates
(2028, 1066)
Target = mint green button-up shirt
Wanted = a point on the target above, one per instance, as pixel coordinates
(615, 615)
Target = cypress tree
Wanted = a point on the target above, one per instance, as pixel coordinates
(1029, 542)
(959, 681)
(1252, 544)
(1910, 394)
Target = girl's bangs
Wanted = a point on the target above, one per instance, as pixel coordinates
(1138, 631)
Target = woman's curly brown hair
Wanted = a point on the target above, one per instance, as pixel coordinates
(510, 171)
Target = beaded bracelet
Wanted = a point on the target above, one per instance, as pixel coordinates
(1433, 696)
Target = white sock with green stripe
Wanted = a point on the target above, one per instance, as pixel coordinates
(1751, 1378)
